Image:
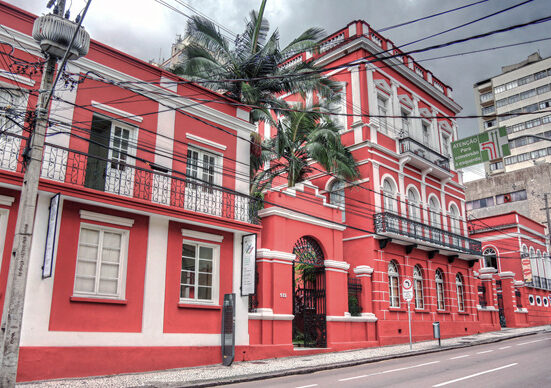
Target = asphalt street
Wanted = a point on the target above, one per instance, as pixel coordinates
(512, 363)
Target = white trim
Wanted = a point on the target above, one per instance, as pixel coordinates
(206, 141)
(523, 310)
(267, 314)
(215, 285)
(336, 264)
(365, 317)
(269, 254)
(506, 274)
(122, 113)
(487, 270)
(488, 308)
(363, 269)
(16, 78)
(99, 217)
(6, 201)
(358, 237)
(4, 216)
(289, 214)
(242, 114)
(202, 235)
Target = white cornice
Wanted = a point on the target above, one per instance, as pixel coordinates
(487, 270)
(202, 235)
(363, 270)
(264, 253)
(122, 113)
(506, 275)
(106, 218)
(268, 315)
(206, 141)
(289, 214)
(365, 43)
(336, 264)
(6, 201)
(364, 317)
(16, 78)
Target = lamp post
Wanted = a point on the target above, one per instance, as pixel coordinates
(52, 32)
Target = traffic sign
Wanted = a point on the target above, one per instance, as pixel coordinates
(406, 284)
(480, 148)
(408, 294)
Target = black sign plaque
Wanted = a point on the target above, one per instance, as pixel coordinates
(228, 329)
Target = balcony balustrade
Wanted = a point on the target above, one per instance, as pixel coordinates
(423, 157)
(123, 179)
(393, 225)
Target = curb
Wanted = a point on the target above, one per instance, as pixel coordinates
(344, 364)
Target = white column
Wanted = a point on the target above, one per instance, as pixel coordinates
(356, 99)
(402, 191)
(435, 135)
(416, 132)
(396, 111)
(376, 186)
(155, 270)
(372, 101)
(241, 302)
(424, 174)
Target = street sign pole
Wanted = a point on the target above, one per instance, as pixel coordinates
(407, 292)
(409, 323)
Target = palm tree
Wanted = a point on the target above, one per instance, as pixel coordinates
(255, 60)
(303, 136)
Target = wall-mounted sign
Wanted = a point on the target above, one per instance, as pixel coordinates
(526, 268)
(50, 237)
(248, 264)
(480, 148)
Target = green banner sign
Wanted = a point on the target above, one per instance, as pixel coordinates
(484, 147)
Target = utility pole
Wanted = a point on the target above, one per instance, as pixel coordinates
(19, 265)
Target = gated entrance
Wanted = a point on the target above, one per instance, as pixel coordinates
(499, 290)
(309, 324)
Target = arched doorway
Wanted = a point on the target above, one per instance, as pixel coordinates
(309, 324)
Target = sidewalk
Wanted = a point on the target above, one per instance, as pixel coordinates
(255, 370)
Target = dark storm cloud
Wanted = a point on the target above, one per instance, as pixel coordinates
(144, 28)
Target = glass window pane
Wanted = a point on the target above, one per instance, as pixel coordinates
(205, 279)
(205, 253)
(187, 277)
(108, 287)
(84, 268)
(109, 271)
(188, 264)
(187, 292)
(88, 236)
(188, 250)
(84, 284)
(205, 266)
(111, 255)
(112, 240)
(88, 253)
(205, 293)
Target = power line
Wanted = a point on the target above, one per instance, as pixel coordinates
(430, 16)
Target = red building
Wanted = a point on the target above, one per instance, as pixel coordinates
(153, 206)
(514, 278)
(153, 183)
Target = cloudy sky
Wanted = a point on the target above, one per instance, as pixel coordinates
(146, 29)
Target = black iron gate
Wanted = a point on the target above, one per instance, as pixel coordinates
(309, 323)
(500, 307)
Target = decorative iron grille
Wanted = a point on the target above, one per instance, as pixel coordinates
(354, 296)
(519, 299)
(482, 296)
(408, 144)
(124, 179)
(392, 223)
(308, 251)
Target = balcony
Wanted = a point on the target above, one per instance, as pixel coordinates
(125, 180)
(429, 238)
(423, 158)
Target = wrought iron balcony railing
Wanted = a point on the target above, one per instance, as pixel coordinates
(407, 144)
(123, 179)
(392, 223)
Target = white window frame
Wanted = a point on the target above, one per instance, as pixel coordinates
(460, 290)
(123, 263)
(418, 287)
(440, 290)
(9, 144)
(218, 160)
(393, 285)
(383, 122)
(337, 196)
(215, 296)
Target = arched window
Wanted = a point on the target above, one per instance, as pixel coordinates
(455, 224)
(460, 292)
(389, 192)
(439, 278)
(393, 284)
(533, 263)
(336, 196)
(490, 258)
(413, 205)
(434, 211)
(418, 287)
(540, 265)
